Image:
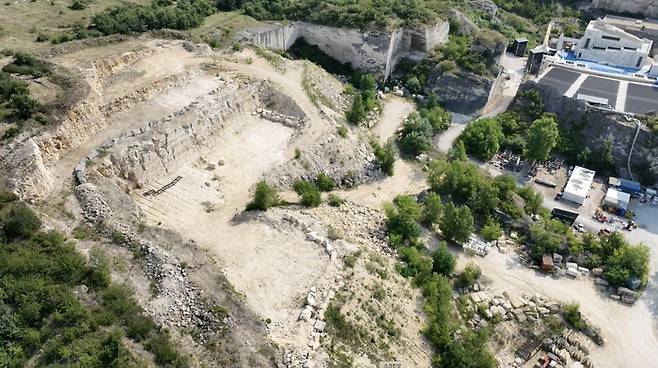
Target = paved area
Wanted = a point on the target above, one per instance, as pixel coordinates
(623, 95)
(601, 88)
(642, 98)
(561, 79)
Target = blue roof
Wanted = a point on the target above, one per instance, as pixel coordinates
(630, 186)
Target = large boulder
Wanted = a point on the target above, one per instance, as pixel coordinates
(647, 8)
(463, 93)
(461, 24)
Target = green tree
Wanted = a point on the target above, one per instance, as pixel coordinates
(357, 112)
(457, 223)
(403, 216)
(432, 209)
(491, 230)
(542, 138)
(443, 261)
(264, 197)
(482, 138)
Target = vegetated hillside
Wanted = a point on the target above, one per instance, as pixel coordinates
(59, 309)
(360, 13)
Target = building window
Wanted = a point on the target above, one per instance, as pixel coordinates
(587, 43)
(599, 48)
(614, 48)
(639, 62)
(630, 48)
(611, 38)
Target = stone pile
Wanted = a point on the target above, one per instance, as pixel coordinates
(362, 225)
(486, 307)
(572, 345)
(290, 121)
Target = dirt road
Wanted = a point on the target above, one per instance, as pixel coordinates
(630, 331)
(514, 68)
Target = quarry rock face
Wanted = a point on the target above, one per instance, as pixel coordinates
(465, 93)
(648, 8)
(30, 174)
(375, 51)
(599, 126)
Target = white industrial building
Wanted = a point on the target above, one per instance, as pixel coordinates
(606, 44)
(578, 186)
(617, 199)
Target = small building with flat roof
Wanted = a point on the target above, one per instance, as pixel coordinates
(617, 199)
(578, 186)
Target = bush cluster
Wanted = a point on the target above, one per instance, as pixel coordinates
(420, 127)
(27, 64)
(265, 197)
(15, 95)
(365, 97)
(42, 321)
(385, 156)
(463, 183)
(180, 15)
(308, 192)
(454, 345)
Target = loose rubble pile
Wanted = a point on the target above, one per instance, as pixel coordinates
(291, 121)
(348, 161)
(324, 88)
(360, 224)
(177, 302)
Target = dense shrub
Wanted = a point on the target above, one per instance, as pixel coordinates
(416, 135)
(78, 5)
(483, 138)
(443, 261)
(265, 197)
(491, 230)
(385, 156)
(325, 182)
(27, 64)
(19, 221)
(185, 14)
(402, 219)
(42, 321)
(574, 318)
(468, 276)
(308, 193)
(365, 98)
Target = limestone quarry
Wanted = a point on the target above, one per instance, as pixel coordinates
(163, 150)
(162, 146)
